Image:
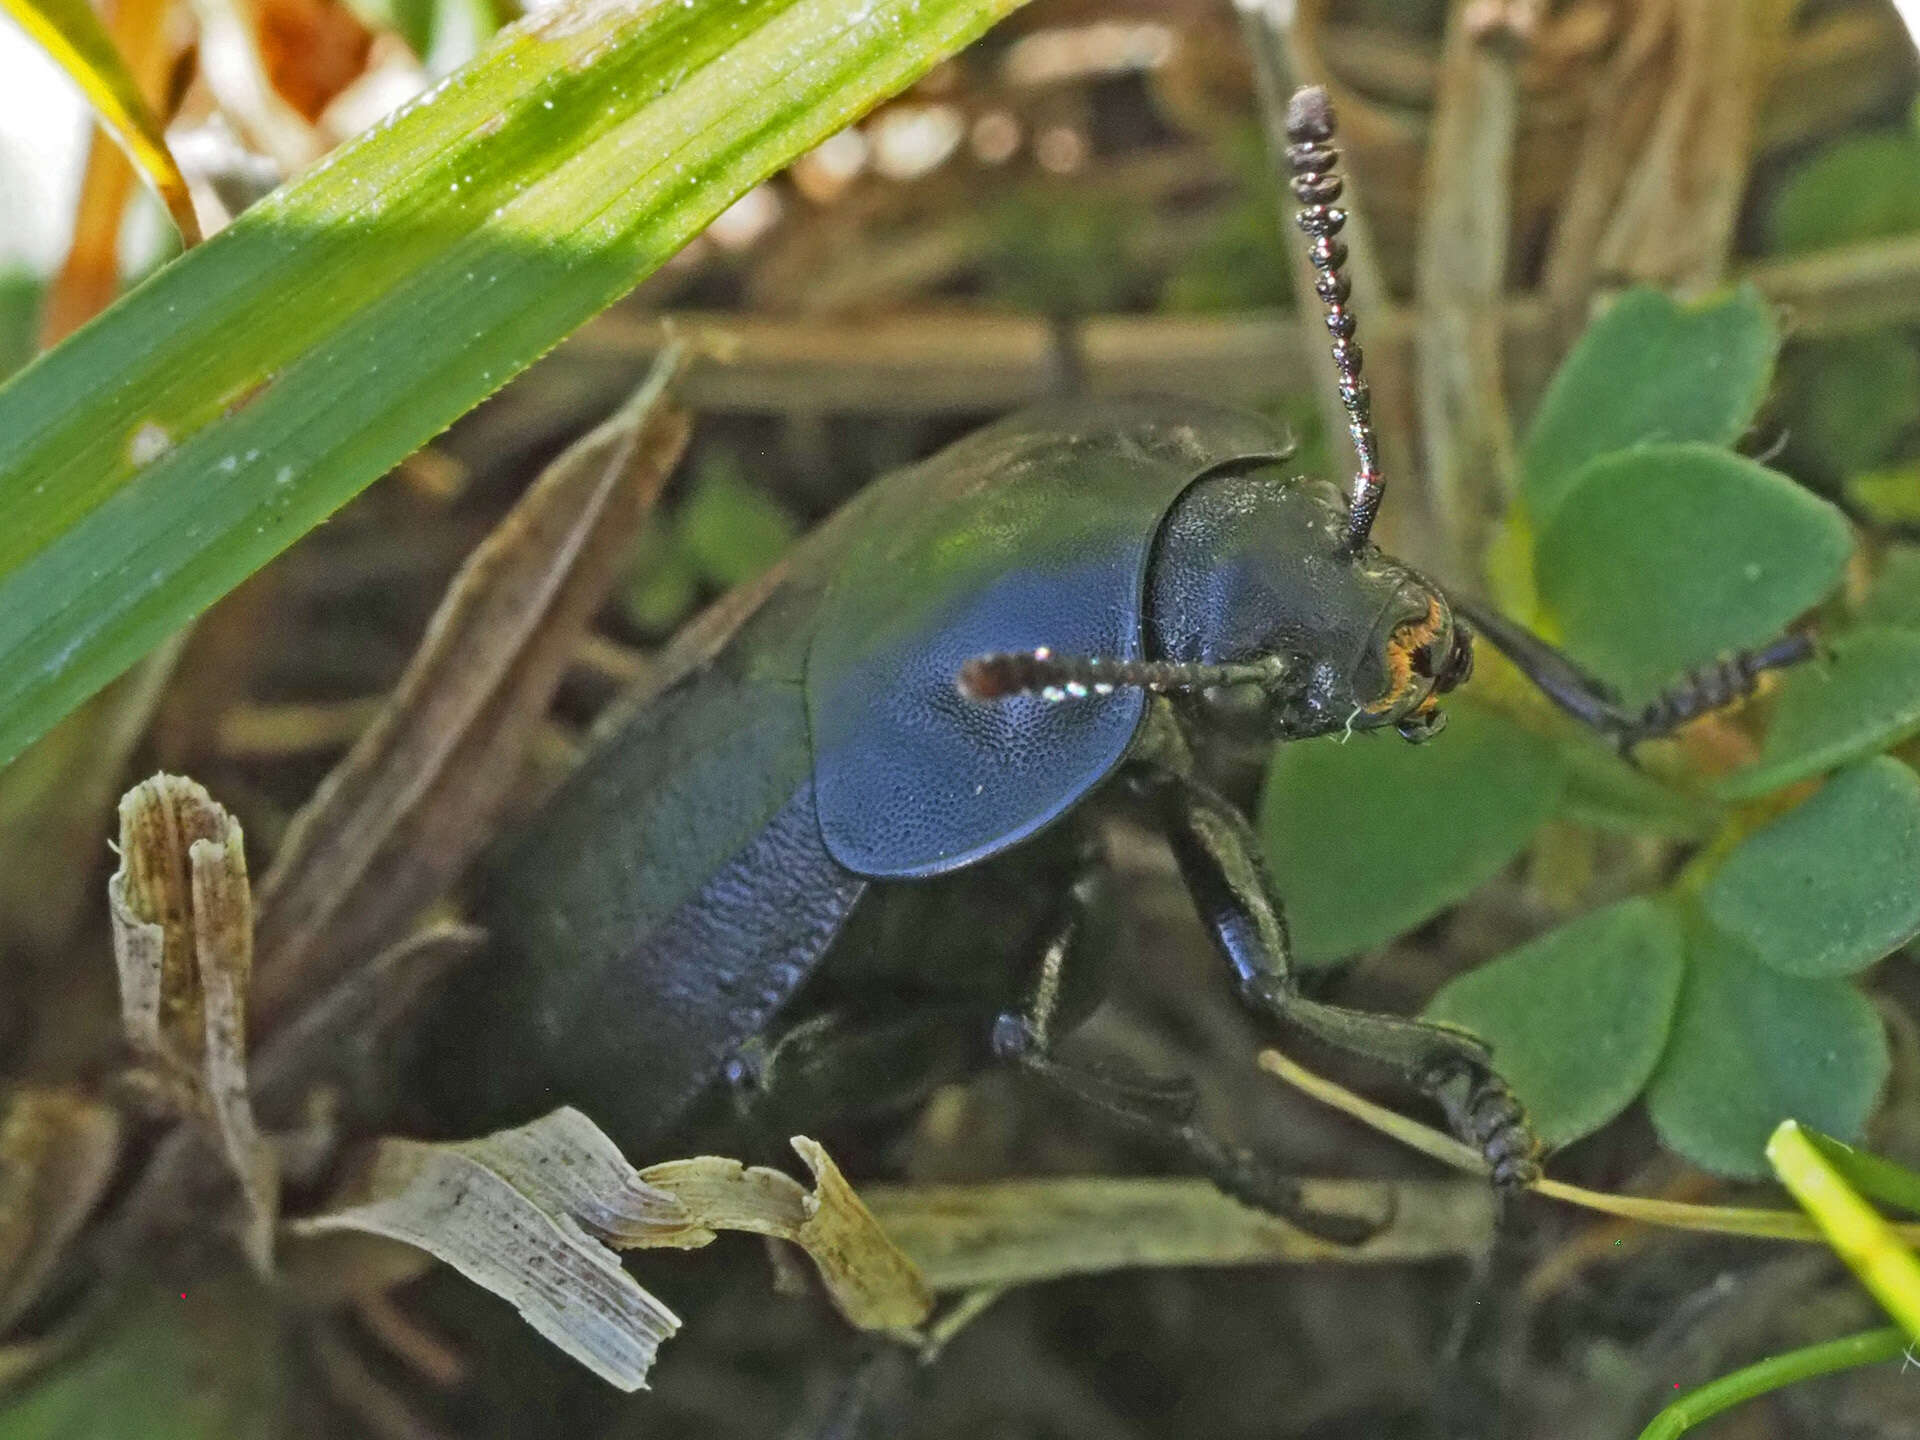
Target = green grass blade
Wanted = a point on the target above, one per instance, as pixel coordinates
(1872, 1175)
(72, 34)
(169, 449)
(1853, 1227)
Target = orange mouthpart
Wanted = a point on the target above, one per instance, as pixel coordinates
(1406, 641)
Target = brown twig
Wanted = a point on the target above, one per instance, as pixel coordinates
(1462, 273)
(962, 362)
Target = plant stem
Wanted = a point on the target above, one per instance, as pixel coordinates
(1870, 1347)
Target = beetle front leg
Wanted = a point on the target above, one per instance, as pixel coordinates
(1220, 859)
(1161, 1110)
(1593, 702)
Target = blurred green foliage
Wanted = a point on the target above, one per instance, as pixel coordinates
(198, 1364)
(726, 531)
(1848, 405)
(1243, 262)
(20, 295)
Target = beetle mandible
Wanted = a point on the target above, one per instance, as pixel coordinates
(918, 721)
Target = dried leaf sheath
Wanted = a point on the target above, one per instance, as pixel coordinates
(412, 801)
(182, 915)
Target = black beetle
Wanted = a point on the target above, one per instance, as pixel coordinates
(915, 724)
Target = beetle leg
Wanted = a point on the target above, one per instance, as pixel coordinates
(1595, 704)
(1159, 1110)
(1220, 858)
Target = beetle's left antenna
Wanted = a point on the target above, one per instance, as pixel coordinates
(1073, 677)
(1317, 185)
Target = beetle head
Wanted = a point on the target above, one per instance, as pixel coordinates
(1252, 567)
(1262, 620)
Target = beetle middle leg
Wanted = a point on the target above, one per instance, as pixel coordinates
(1594, 703)
(1220, 858)
(1160, 1109)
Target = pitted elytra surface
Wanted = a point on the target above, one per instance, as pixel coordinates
(1030, 534)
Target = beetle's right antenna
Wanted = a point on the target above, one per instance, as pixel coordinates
(1316, 185)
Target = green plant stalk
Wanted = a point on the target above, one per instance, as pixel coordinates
(1853, 1228)
(166, 451)
(1870, 1347)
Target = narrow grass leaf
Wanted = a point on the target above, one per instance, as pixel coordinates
(1832, 885)
(411, 802)
(1853, 1228)
(1577, 1018)
(1872, 1175)
(160, 455)
(527, 1213)
(1013, 1232)
(69, 31)
(871, 1281)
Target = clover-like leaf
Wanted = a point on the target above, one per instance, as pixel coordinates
(1863, 188)
(1649, 371)
(1668, 556)
(1369, 838)
(1847, 401)
(1834, 884)
(1606, 792)
(1752, 1047)
(1862, 694)
(1894, 596)
(1577, 1018)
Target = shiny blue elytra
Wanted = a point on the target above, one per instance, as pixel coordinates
(1028, 534)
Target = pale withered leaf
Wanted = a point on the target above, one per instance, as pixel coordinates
(869, 1279)
(1018, 1231)
(524, 1213)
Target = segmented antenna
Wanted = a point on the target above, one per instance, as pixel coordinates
(1068, 677)
(1316, 185)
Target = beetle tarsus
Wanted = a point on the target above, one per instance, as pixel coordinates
(1597, 705)
(1712, 687)
(1485, 1113)
(1234, 1170)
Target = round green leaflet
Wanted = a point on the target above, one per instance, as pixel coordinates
(1336, 817)
(1832, 885)
(1752, 1047)
(1577, 1018)
(1669, 556)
